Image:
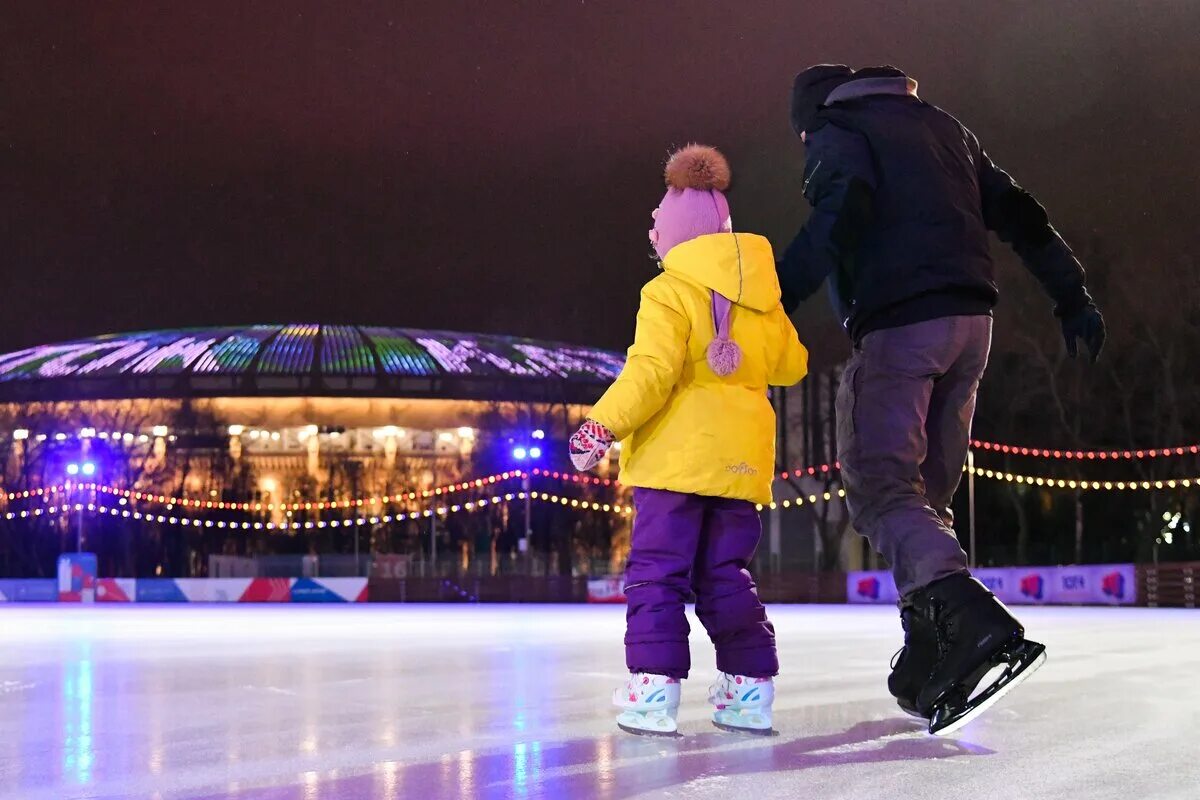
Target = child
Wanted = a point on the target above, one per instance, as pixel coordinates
(698, 430)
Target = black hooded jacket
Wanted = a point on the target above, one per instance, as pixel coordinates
(903, 199)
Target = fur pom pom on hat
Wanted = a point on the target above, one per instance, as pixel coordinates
(697, 166)
(695, 204)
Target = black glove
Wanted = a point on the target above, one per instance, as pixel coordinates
(1086, 324)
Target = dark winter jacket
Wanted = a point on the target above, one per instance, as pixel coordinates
(903, 198)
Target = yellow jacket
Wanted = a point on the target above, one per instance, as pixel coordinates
(683, 427)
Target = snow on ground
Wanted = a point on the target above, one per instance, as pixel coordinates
(433, 702)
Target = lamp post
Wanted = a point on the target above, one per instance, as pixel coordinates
(522, 453)
(87, 470)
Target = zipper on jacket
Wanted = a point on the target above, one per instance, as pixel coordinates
(811, 175)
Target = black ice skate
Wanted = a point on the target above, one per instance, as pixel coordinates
(976, 634)
(914, 663)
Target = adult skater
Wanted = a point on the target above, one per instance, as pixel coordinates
(698, 430)
(903, 197)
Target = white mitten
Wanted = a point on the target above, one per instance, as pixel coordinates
(589, 445)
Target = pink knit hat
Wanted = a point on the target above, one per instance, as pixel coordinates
(694, 204)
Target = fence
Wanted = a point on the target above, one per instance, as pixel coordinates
(1171, 585)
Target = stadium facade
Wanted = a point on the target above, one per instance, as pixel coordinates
(286, 414)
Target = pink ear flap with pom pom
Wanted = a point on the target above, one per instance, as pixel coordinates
(724, 355)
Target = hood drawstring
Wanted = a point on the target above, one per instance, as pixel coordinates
(724, 355)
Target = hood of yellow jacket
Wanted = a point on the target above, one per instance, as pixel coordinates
(740, 266)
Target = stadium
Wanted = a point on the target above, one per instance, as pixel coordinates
(293, 429)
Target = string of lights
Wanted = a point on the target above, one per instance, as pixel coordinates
(1087, 455)
(573, 477)
(801, 501)
(163, 432)
(545, 497)
(186, 502)
(375, 519)
(1070, 483)
(50, 492)
(812, 472)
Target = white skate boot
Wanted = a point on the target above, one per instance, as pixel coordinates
(650, 703)
(743, 704)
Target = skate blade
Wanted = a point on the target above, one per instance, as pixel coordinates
(1031, 654)
(751, 731)
(652, 734)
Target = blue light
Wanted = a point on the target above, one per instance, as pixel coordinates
(535, 452)
(539, 434)
(72, 469)
(519, 453)
(88, 468)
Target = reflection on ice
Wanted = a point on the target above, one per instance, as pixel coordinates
(431, 703)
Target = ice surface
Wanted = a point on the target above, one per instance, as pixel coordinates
(424, 702)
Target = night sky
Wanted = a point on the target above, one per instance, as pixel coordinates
(492, 167)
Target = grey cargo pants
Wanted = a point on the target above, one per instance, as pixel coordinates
(904, 413)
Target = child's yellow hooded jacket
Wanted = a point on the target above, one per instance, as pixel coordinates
(683, 427)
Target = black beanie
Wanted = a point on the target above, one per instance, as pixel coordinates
(811, 88)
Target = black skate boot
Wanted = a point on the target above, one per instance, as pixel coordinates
(975, 634)
(913, 664)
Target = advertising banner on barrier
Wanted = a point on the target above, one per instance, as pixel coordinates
(329, 590)
(1030, 585)
(1104, 584)
(77, 578)
(213, 590)
(1116, 584)
(1107, 584)
(606, 590)
(247, 590)
(871, 587)
(116, 590)
(28, 590)
(1000, 581)
(1071, 585)
(267, 590)
(158, 590)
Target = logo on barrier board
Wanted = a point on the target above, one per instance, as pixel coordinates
(1113, 585)
(1074, 583)
(307, 590)
(868, 587)
(1033, 586)
(994, 583)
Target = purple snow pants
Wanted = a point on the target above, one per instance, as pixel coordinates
(685, 543)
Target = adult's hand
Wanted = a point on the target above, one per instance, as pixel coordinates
(1086, 324)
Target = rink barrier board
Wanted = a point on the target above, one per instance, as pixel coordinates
(1090, 584)
(28, 590)
(480, 589)
(1165, 585)
(191, 590)
(784, 587)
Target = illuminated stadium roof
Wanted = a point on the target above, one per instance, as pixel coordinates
(306, 359)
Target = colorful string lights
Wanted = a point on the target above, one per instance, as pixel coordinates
(151, 497)
(375, 519)
(1088, 485)
(1087, 455)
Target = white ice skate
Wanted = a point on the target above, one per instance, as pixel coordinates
(650, 704)
(743, 704)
